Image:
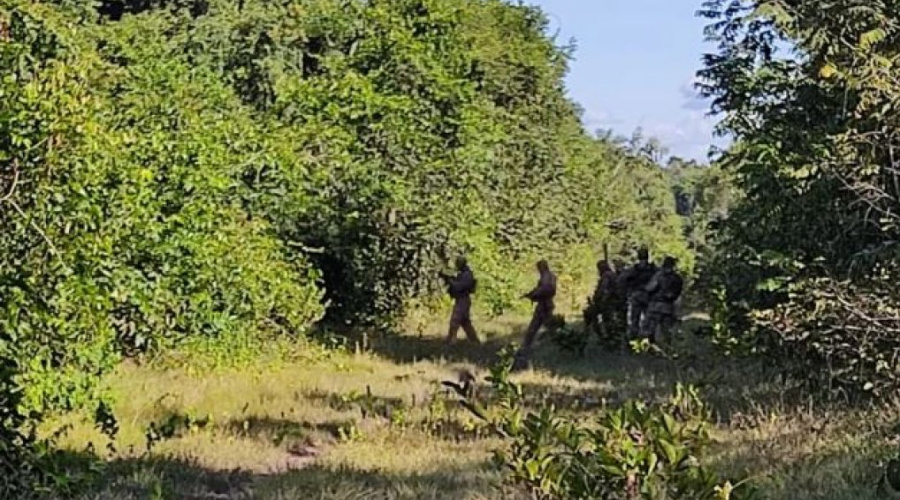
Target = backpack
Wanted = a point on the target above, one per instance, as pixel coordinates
(672, 288)
(637, 277)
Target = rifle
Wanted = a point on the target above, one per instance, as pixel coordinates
(447, 279)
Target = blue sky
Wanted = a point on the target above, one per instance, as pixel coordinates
(634, 66)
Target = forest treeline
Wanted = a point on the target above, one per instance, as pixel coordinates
(219, 169)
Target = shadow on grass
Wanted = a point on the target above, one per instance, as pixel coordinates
(780, 472)
(406, 349)
(278, 430)
(730, 386)
(836, 475)
(355, 401)
(186, 479)
(617, 369)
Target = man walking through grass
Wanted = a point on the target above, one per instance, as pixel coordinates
(460, 288)
(542, 296)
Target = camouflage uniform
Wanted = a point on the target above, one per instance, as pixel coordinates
(605, 312)
(461, 289)
(664, 289)
(634, 281)
(542, 296)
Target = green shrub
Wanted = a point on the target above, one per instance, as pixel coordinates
(569, 338)
(631, 452)
(839, 338)
(126, 231)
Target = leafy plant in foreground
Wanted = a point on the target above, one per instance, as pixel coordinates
(636, 451)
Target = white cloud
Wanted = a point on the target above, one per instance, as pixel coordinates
(688, 135)
(692, 100)
(597, 119)
(682, 127)
(685, 129)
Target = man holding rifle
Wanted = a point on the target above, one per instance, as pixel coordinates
(461, 287)
(542, 297)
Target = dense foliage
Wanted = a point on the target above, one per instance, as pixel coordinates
(182, 172)
(809, 91)
(703, 196)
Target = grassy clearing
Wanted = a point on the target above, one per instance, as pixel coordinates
(324, 429)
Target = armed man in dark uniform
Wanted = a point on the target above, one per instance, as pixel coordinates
(460, 288)
(664, 290)
(635, 280)
(542, 296)
(605, 314)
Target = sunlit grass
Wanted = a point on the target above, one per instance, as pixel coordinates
(296, 430)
